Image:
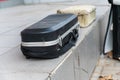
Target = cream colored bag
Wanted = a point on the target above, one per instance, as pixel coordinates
(86, 13)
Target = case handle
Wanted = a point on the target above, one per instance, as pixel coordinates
(71, 43)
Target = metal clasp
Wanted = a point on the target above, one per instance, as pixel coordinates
(60, 41)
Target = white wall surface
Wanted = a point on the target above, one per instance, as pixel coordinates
(55, 0)
(9, 3)
(43, 1)
(96, 2)
(93, 1)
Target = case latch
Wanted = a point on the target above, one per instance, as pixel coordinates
(60, 41)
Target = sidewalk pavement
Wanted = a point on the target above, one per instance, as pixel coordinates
(107, 67)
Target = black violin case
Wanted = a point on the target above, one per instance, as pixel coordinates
(50, 37)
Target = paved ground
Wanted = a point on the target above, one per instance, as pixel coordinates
(107, 67)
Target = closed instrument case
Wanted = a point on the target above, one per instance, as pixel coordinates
(50, 37)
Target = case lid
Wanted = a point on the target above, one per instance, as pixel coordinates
(49, 28)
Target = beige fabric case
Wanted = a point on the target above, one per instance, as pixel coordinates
(86, 13)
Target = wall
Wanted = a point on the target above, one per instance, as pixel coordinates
(97, 2)
(55, 0)
(44, 1)
(9, 3)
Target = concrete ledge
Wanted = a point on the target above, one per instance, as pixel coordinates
(13, 64)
